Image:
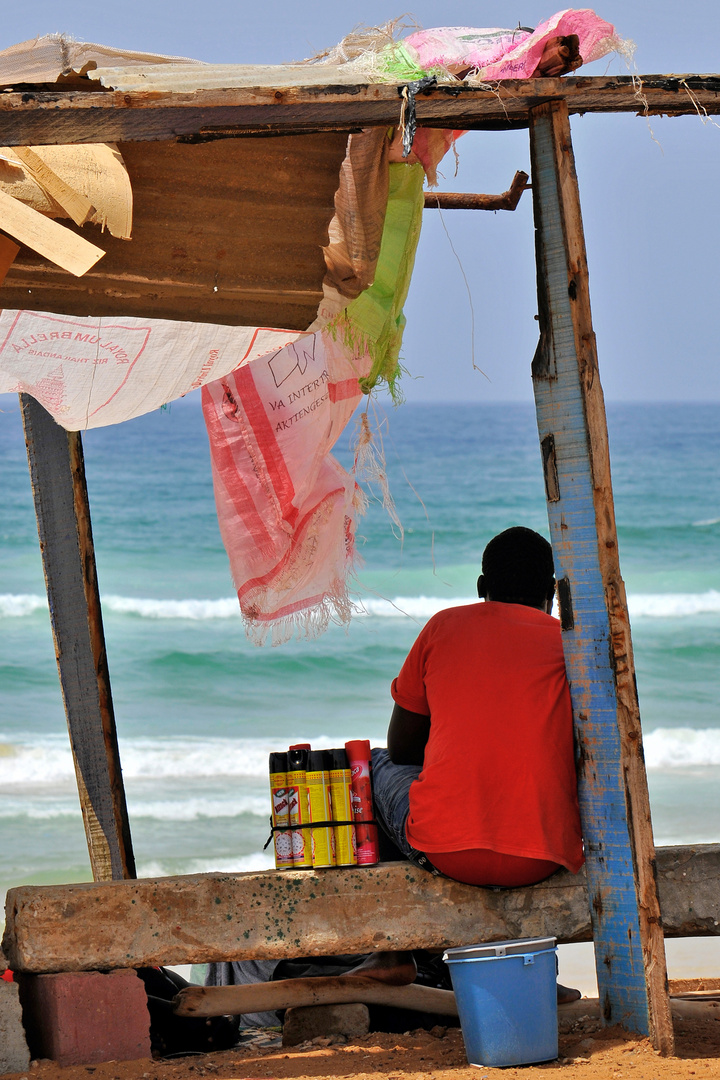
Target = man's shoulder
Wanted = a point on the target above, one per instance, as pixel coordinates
(488, 618)
(461, 613)
(489, 615)
(452, 622)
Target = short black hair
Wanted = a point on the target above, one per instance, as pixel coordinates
(517, 567)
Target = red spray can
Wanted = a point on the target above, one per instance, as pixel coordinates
(358, 752)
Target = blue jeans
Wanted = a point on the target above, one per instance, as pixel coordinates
(391, 795)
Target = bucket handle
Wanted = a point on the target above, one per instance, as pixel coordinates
(528, 958)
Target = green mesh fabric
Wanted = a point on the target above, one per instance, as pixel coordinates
(398, 65)
(375, 321)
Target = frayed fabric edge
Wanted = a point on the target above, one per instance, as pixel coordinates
(304, 625)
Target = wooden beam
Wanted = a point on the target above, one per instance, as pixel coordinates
(57, 473)
(455, 200)
(299, 993)
(617, 828)
(72, 116)
(276, 914)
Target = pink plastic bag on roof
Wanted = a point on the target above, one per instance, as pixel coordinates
(498, 54)
(510, 54)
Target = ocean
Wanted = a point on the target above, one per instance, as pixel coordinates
(198, 708)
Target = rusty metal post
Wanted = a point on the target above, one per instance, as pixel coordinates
(621, 873)
(57, 473)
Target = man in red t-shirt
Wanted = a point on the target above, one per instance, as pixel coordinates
(478, 781)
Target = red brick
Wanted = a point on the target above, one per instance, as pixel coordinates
(83, 1017)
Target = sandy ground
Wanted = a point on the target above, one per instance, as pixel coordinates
(586, 1053)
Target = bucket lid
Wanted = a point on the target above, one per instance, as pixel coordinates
(500, 948)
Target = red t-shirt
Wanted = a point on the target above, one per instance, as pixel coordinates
(499, 768)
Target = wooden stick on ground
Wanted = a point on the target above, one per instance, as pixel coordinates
(289, 993)
(681, 1009)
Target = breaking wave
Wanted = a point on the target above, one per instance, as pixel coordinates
(182, 808)
(642, 605)
(682, 748)
(47, 762)
(258, 860)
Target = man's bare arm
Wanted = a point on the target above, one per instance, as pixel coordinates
(407, 736)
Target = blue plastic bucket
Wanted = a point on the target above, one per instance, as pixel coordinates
(507, 1000)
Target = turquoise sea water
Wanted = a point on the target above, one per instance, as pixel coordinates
(198, 708)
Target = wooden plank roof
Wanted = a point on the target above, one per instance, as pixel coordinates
(72, 115)
(225, 232)
(228, 228)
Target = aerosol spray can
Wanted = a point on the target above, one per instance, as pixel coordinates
(280, 810)
(318, 784)
(358, 752)
(299, 808)
(342, 808)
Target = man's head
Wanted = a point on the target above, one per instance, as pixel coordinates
(517, 568)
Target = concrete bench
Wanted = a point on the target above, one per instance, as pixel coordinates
(276, 914)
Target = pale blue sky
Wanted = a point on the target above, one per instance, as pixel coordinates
(651, 211)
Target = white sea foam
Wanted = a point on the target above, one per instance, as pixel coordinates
(207, 769)
(47, 761)
(37, 760)
(17, 808)
(707, 521)
(194, 758)
(16, 605)
(258, 860)
(198, 808)
(679, 748)
(181, 808)
(642, 605)
(195, 610)
(673, 605)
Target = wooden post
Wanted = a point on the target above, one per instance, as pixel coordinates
(621, 873)
(57, 472)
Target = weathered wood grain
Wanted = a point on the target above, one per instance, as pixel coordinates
(50, 239)
(274, 914)
(222, 233)
(291, 993)
(8, 253)
(456, 200)
(91, 116)
(57, 474)
(614, 803)
(75, 204)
